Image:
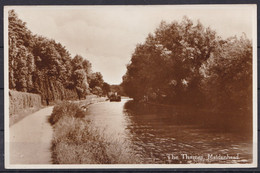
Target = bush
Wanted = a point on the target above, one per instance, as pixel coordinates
(66, 109)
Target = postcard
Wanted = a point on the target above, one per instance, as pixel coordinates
(130, 86)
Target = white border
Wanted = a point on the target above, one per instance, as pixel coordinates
(255, 96)
(110, 166)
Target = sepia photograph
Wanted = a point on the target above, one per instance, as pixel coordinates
(130, 86)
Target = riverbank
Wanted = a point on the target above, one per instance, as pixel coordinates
(31, 137)
(90, 99)
(21, 113)
(77, 141)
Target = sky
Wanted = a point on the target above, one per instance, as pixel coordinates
(107, 35)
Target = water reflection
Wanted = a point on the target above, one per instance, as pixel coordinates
(156, 134)
(159, 133)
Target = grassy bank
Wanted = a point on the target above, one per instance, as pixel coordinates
(76, 141)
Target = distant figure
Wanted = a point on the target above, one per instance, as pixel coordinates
(47, 101)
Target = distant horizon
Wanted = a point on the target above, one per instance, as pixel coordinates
(107, 35)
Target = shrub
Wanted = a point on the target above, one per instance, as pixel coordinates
(66, 109)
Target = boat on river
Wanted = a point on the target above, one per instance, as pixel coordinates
(114, 97)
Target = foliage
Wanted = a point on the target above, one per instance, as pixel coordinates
(65, 109)
(227, 78)
(21, 64)
(96, 83)
(186, 63)
(117, 88)
(43, 66)
(166, 66)
(106, 88)
(80, 79)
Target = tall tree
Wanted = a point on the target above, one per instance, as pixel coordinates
(20, 58)
(228, 75)
(40, 65)
(167, 66)
(81, 84)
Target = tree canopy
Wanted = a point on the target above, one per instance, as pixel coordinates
(184, 62)
(41, 65)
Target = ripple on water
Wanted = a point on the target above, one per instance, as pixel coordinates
(153, 135)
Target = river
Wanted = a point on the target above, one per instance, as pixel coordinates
(177, 135)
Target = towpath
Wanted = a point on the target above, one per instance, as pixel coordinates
(30, 139)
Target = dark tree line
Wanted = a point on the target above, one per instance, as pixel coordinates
(186, 63)
(43, 66)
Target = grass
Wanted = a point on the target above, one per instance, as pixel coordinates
(76, 141)
(66, 109)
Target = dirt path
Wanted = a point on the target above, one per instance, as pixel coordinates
(30, 139)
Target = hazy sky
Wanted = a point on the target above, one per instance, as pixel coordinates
(107, 35)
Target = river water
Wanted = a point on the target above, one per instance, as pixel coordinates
(161, 135)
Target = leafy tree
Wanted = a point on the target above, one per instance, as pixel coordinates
(40, 65)
(20, 42)
(228, 75)
(117, 88)
(106, 88)
(81, 83)
(189, 64)
(96, 80)
(167, 66)
(77, 62)
(97, 91)
(87, 67)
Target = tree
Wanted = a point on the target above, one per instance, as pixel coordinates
(21, 65)
(81, 83)
(77, 62)
(167, 66)
(228, 75)
(106, 88)
(38, 64)
(96, 80)
(87, 67)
